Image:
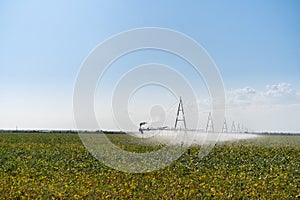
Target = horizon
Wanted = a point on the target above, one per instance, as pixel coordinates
(120, 131)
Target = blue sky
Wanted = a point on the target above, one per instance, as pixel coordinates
(255, 44)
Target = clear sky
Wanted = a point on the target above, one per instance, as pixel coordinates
(255, 45)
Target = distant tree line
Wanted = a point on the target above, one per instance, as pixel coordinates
(61, 131)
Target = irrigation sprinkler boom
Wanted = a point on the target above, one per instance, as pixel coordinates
(180, 124)
(180, 118)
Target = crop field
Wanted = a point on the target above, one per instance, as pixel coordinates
(57, 166)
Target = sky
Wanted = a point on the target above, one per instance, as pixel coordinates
(254, 44)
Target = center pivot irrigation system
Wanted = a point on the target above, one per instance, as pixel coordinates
(180, 119)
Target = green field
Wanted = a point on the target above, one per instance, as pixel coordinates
(57, 166)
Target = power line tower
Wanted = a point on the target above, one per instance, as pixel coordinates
(180, 112)
(210, 124)
(233, 129)
(224, 128)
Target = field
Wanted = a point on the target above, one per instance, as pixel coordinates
(57, 166)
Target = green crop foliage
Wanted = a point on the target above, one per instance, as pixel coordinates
(57, 166)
